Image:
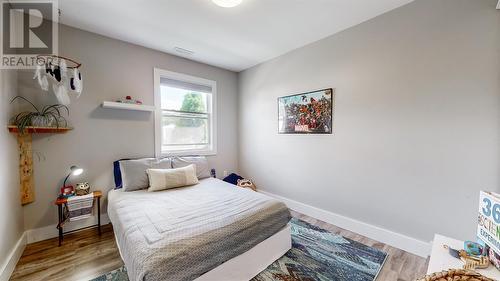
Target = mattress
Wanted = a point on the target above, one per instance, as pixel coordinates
(182, 233)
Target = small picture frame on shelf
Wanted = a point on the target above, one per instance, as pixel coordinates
(67, 191)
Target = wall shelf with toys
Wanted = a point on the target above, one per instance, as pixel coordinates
(128, 106)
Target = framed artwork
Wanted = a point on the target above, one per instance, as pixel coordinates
(307, 113)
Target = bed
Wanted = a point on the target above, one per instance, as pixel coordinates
(209, 231)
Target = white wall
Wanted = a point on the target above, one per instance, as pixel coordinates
(416, 124)
(113, 69)
(11, 218)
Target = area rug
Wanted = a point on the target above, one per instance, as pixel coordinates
(316, 254)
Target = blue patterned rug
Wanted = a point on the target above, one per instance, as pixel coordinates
(316, 254)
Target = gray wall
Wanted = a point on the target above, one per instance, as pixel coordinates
(11, 218)
(417, 119)
(113, 69)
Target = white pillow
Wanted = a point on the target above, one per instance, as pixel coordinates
(161, 179)
(134, 175)
(202, 169)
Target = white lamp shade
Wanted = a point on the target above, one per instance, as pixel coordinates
(77, 172)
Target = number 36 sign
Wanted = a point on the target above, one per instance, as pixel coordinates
(488, 228)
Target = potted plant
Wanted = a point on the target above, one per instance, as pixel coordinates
(48, 116)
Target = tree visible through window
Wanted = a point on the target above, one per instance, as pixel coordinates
(192, 102)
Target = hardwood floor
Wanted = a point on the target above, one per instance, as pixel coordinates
(84, 255)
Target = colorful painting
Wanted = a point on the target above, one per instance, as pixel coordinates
(307, 113)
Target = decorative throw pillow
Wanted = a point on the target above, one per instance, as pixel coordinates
(202, 169)
(161, 179)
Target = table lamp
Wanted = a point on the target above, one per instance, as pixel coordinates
(74, 171)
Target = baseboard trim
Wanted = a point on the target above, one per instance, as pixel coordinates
(12, 259)
(398, 240)
(48, 232)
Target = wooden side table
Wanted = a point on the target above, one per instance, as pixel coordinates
(60, 202)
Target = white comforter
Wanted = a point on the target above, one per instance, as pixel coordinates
(179, 234)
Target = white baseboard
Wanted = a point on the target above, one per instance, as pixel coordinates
(47, 232)
(12, 259)
(398, 240)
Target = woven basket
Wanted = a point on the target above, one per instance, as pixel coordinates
(455, 275)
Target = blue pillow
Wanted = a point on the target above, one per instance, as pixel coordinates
(232, 178)
(118, 174)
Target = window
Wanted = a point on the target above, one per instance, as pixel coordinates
(185, 121)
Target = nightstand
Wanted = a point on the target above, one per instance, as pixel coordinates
(61, 202)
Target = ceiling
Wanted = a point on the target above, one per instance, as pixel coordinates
(232, 38)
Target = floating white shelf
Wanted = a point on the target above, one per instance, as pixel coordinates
(127, 106)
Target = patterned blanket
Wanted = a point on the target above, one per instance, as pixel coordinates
(182, 233)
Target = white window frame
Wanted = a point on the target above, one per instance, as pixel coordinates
(212, 112)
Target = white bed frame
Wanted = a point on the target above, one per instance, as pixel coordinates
(247, 265)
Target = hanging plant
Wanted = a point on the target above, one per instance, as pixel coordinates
(48, 116)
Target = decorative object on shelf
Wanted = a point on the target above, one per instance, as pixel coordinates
(455, 274)
(82, 188)
(73, 171)
(67, 192)
(48, 116)
(53, 69)
(453, 252)
(475, 249)
(244, 183)
(471, 262)
(128, 99)
(307, 113)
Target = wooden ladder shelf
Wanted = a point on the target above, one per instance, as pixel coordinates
(24, 141)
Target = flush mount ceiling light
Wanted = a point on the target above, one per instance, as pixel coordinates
(227, 3)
